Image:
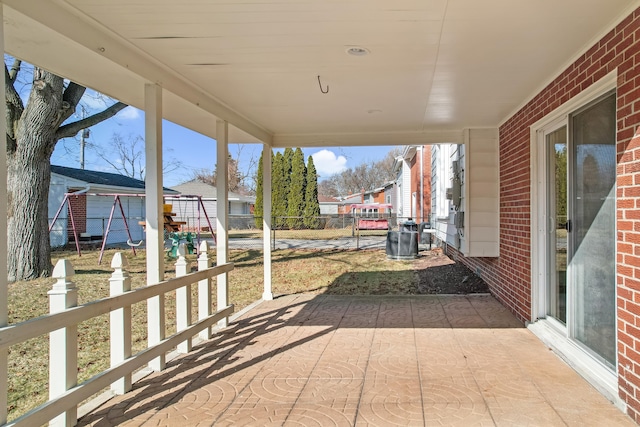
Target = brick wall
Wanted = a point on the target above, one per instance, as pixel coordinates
(78, 204)
(422, 197)
(510, 275)
(426, 175)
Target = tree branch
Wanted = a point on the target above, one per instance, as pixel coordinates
(70, 99)
(15, 108)
(15, 69)
(72, 129)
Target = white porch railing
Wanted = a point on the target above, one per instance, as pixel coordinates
(64, 393)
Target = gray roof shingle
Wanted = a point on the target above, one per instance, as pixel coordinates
(100, 178)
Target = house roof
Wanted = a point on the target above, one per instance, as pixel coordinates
(353, 198)
(327, 199)
(208, 191)
(102, 180)
(419, 71)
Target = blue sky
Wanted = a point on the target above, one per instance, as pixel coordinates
(194, 150)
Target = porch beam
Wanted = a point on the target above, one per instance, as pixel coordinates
(454, 136)
(267, 294)
(64, 19)
(155, 220)
(222, 215)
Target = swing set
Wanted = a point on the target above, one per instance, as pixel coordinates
(169, 225)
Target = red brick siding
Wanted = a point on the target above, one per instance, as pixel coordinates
(422, 197)
(79, 206)
(426, 179)
(510, 275)
(379, 198)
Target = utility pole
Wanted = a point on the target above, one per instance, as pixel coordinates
(85, 134)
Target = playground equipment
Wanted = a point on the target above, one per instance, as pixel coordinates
(170, 225)
(180, 237)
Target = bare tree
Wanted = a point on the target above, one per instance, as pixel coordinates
(33, 130)
(240, 180)
(365, 176)
(327, 187)
(127, 157)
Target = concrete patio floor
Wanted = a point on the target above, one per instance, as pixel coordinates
(377, 360)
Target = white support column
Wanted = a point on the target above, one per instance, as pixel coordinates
(183, 299)
(204, 289)
(4, 309)
(267, 293)
(120, 321)
(63, 343)
(222, 220)
(155, 225)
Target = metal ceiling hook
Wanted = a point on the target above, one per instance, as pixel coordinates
(320, 84)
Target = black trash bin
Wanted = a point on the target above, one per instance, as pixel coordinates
(408, 226)
(402, 245)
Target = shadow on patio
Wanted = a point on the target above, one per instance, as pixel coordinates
(366, 360)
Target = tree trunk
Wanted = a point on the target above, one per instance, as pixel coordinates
(28, 248)
(28, 177)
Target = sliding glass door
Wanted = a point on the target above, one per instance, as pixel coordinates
(581, 260)
(593, 233)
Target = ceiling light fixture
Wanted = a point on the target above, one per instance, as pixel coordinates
(358, 51)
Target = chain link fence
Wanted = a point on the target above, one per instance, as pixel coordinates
(245, 231)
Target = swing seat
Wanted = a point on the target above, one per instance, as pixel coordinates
(134, 245)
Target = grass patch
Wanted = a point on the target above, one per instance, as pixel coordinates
(293, 271)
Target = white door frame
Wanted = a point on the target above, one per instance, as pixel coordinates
(551, 332)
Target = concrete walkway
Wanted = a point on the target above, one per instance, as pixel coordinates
(380, 361)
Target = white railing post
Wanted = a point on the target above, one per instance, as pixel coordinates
(119, 283)
(183, 299)
(204, 289)
(222, 216)
(63, 343)
(154, 228)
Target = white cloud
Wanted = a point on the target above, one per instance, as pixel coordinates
(327, 163)
(129, 113)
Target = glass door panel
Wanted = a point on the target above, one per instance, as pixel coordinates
(592, 257)
(556, 148)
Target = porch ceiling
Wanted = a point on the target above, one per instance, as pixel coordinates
(434, 67)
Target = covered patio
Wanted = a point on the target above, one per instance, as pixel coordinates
(497, 77)
(366, 360)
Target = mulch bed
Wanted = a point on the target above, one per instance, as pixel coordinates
(439, 274)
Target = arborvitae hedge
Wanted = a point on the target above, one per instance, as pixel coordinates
(295, 203)
(278, 195)
(311, 204)
(258, 208)
(294, 191)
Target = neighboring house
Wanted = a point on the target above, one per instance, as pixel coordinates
(344, 207)
(381, 196)
(187, 209)
(328, 205)
(373, 198)
(389, 195)
(413, 181)
(446, 198)
(93, 204)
